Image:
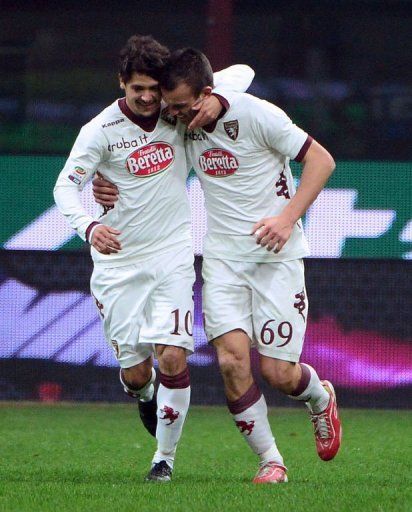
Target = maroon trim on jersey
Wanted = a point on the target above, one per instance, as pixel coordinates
(179, 381)
(251, 396)
(304, 149)
(223, 101)
(304, 381)
(209, 128)
(89, 228)
(148, 124)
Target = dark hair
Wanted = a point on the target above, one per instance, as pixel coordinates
(190, 66)
(144, 55)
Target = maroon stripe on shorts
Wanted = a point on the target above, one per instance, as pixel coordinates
(251, 396)
(304, 381)
(179, 381)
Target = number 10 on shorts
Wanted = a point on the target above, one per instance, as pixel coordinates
(188, 322)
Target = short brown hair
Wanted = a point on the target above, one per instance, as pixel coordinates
(143, 55)
(190, 66)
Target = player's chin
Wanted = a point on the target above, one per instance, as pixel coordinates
(148, 111)
(148, 115)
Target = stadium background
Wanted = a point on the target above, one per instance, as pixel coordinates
(342, 72)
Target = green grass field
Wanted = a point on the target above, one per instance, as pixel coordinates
(84, 457)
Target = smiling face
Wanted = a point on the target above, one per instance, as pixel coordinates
(182, 99)
(142, 94)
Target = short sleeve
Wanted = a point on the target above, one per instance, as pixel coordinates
(276, 129)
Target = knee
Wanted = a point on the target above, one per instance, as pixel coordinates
(232, 364)
(282, 377)
(137, 376)
(172, 360)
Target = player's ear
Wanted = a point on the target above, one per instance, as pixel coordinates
(207, 91)
(121, 83)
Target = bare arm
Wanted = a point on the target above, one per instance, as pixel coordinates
(318, 165)
(104, 192)
(104, 238)
(236, 78)
(274, 232)
(209, 110)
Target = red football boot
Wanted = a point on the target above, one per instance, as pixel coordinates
(328, 429)
(271, 473)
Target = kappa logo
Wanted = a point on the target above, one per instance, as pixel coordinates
(218, 163)
(150, 160)
(106, 209)
(115, 346)
(169, 414)
(300, 304)
(232, 128)
(245, 426)
(99, 306)
(167, 117)
(113, 123)
(282, 183)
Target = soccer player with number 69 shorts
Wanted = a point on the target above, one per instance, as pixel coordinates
(254, 288)
(141, 248)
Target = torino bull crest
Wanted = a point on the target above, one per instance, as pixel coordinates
(232, 128)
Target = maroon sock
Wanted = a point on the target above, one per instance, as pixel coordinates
(251, 396)
(179, 381)
(304, 381)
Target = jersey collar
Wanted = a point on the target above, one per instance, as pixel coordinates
(147, 124)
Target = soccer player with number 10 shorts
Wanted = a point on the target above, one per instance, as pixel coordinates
(141, 248)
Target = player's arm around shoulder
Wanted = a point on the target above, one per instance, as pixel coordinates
(227, 83)
(236, 78)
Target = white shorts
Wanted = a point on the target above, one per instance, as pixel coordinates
(146, 303)
(266, 300)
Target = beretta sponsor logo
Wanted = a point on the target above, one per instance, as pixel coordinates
(151, 159)
(218, 163)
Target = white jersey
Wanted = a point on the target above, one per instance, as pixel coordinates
(243, 166)
(149, 169)
(148, 165)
